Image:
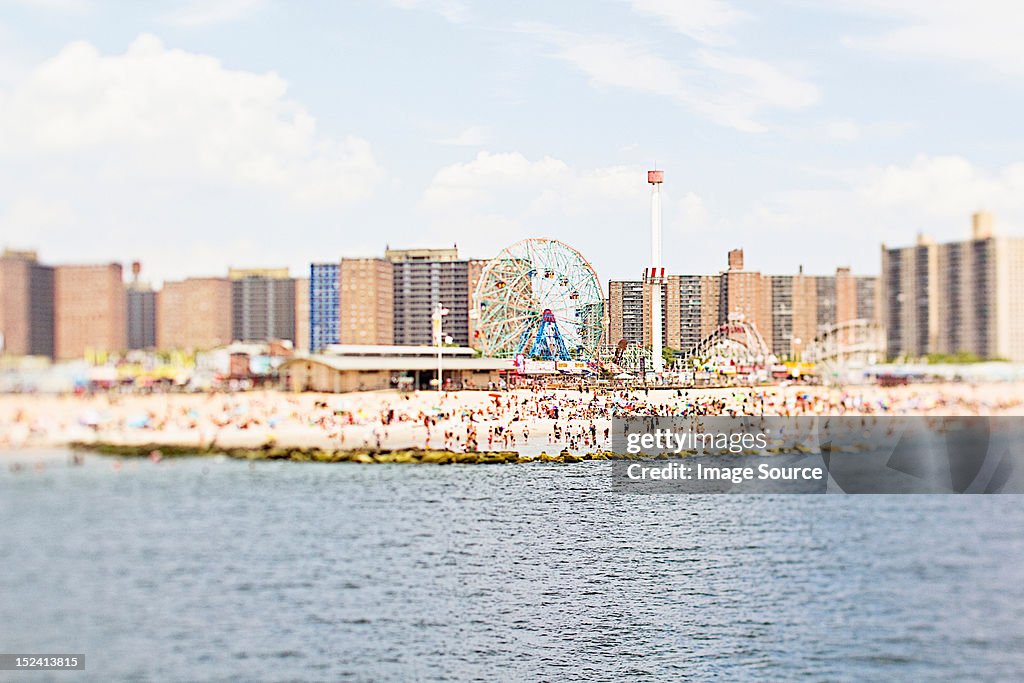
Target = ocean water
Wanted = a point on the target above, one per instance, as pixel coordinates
(215, 569)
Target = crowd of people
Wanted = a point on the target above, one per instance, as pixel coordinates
(537, 418)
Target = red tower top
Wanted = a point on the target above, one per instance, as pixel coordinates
(655, 177)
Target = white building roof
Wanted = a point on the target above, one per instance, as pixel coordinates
(402, 363)
(384, 350)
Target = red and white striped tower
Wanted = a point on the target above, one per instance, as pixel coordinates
(655, 178)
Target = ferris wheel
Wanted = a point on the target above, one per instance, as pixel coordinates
(542, 299)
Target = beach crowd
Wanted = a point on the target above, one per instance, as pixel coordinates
(524, 420)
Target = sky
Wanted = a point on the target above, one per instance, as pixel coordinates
(194, 135)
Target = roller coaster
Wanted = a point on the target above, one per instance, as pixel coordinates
(736, 342)
(850, 343)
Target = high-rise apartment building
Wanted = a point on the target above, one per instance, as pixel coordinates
(746, 295)
(351, 302)
(262, 305)
(302, 310)
(789, 311)
(782, 313)
(911, 298)
(626, 311)
(89, 310)
(869, 302)
(965, 296)
(689, 310)
(422, 278)
(647, 290)
(806, 306)
(194, 314)
(324, 305)
(686, 296)
(141, 314)
(141, 317)
(366, 301)
(26, 305)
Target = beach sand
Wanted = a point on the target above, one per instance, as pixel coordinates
(520, 420)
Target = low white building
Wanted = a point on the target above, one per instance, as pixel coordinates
(343, 368)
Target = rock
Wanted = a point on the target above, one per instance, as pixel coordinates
(404, 457)
(300, 455)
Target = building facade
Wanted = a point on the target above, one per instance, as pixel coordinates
(366, 302)
(26, 305)
(302, 311)
(194, 314)
(956, 297)
(789, 311)
(746, 295)
(90, 310)
(626, 311)
(141, 317)
(423, 278)
(324, 305)
(262, 305)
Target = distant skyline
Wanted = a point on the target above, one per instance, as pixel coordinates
(201, 134)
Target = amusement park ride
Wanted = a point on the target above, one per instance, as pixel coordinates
(541, 299)
(548, 344)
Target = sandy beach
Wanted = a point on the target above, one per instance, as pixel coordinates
(525, 421)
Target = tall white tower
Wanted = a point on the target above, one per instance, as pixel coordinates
(657, 271)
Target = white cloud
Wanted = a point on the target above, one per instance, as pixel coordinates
(729, 90)
(985, 33)
(764, 85)
(497, 198)
(477, 182)
(692, 214)
(946, 187)
(607, 61)
(198, 13)
(167, 114)
(474, 136)
(705, 21)
(844, 225)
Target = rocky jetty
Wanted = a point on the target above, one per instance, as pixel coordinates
(272, 451)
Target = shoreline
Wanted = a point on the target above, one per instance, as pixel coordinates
(271, 451)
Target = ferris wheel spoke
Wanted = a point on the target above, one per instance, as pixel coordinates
(526, 279)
